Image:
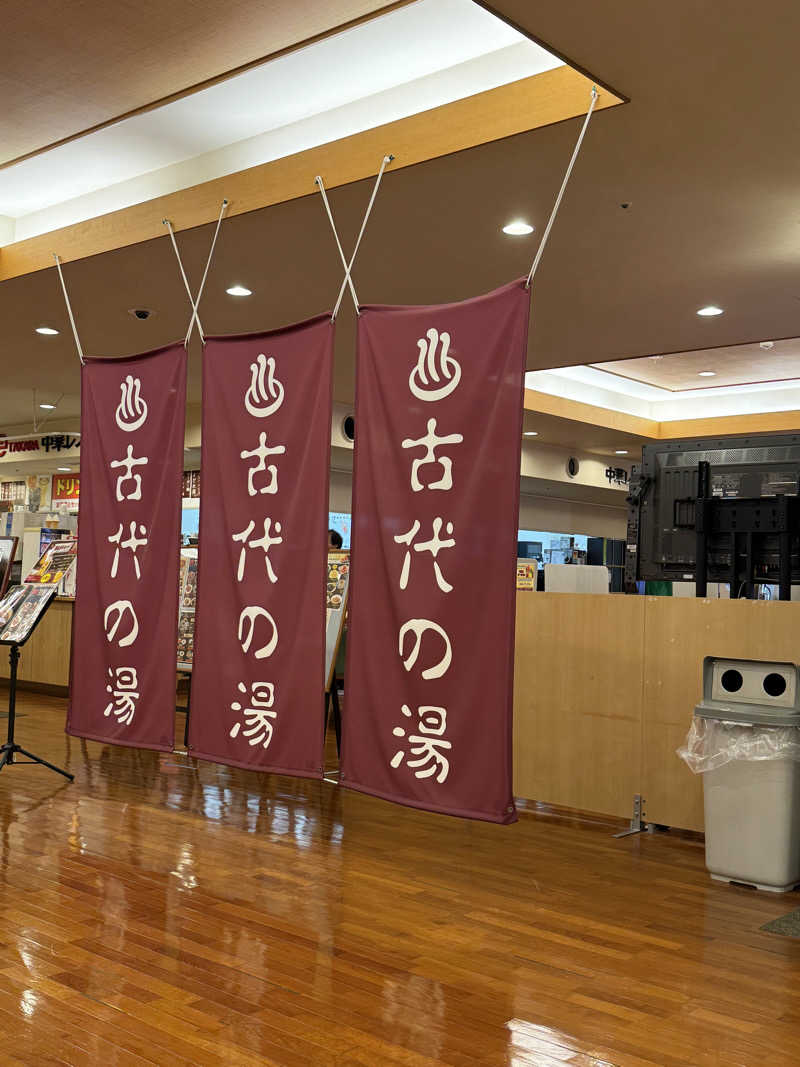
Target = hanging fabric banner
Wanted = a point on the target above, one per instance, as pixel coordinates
(429, 674)
(259, 647)
(122, 686)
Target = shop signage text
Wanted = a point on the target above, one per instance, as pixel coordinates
(54, 442)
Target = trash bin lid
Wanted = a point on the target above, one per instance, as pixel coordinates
(747, 714)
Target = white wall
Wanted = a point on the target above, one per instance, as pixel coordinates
(341, 491)
(535, 512)
(571, 516)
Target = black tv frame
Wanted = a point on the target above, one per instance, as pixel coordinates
(733, 503)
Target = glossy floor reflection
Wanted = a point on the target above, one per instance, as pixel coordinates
(168, 912)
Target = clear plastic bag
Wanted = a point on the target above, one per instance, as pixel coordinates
(711, 743)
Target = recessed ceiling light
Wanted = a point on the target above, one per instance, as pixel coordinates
(706, 373)
(531, 433)
(46, 331)
(47, 407)
(239, 290)
(517, 228)
(621, 452)
(709, 311)
(64, 468)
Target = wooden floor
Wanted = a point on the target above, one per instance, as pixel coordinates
(166, 912)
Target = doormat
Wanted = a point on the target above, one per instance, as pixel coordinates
(787, 925)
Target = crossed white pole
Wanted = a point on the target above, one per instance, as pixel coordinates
(195, 301)
(348, 266)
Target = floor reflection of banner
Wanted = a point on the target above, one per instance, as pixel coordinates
(125, 622)
(429, 675)
(259, 647)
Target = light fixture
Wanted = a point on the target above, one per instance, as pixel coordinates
(706, 373)
(47, 407)
(46, 331)
(517, 228)
(621, 452)
(531, 433)
(64, 468)
(709, 311)
(239, 290)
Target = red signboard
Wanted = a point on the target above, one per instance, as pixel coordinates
(65, 487)
(259, 644)
(429, 671)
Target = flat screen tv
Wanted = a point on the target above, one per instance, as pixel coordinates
(662, 534)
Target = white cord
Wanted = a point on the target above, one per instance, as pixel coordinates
(557, 204)
(69, 310)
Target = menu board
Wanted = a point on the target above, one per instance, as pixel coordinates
(187, 599)
(20, 610)
(526, 573)
(12, 492)
(338, 584)
(190, 485)
(54, 563)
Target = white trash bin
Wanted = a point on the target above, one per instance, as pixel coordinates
(745, 741)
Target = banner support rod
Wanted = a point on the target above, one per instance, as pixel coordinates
(348, 267)
(195, 303)
(557, 204)
(69, 310)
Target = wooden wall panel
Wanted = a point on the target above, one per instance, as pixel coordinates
(578, 700)
(680, 632)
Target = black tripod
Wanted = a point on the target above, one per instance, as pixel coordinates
(10, 748)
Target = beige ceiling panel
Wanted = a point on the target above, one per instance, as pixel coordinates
(79, 65)
(711, 368)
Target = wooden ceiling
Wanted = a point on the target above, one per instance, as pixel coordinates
(71, 68)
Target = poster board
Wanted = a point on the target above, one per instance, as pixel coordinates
(187, 601)
(527, 570)
(55, 563)
(337, 589)
(20, 611)
(8, 549)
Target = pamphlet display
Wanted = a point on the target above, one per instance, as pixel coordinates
(55, 562)
(8, 549)
(20, 610)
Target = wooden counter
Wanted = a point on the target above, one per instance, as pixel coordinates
(604, 691)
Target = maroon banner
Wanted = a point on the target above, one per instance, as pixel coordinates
(429, 674)
(258, 682)
(122, 685)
